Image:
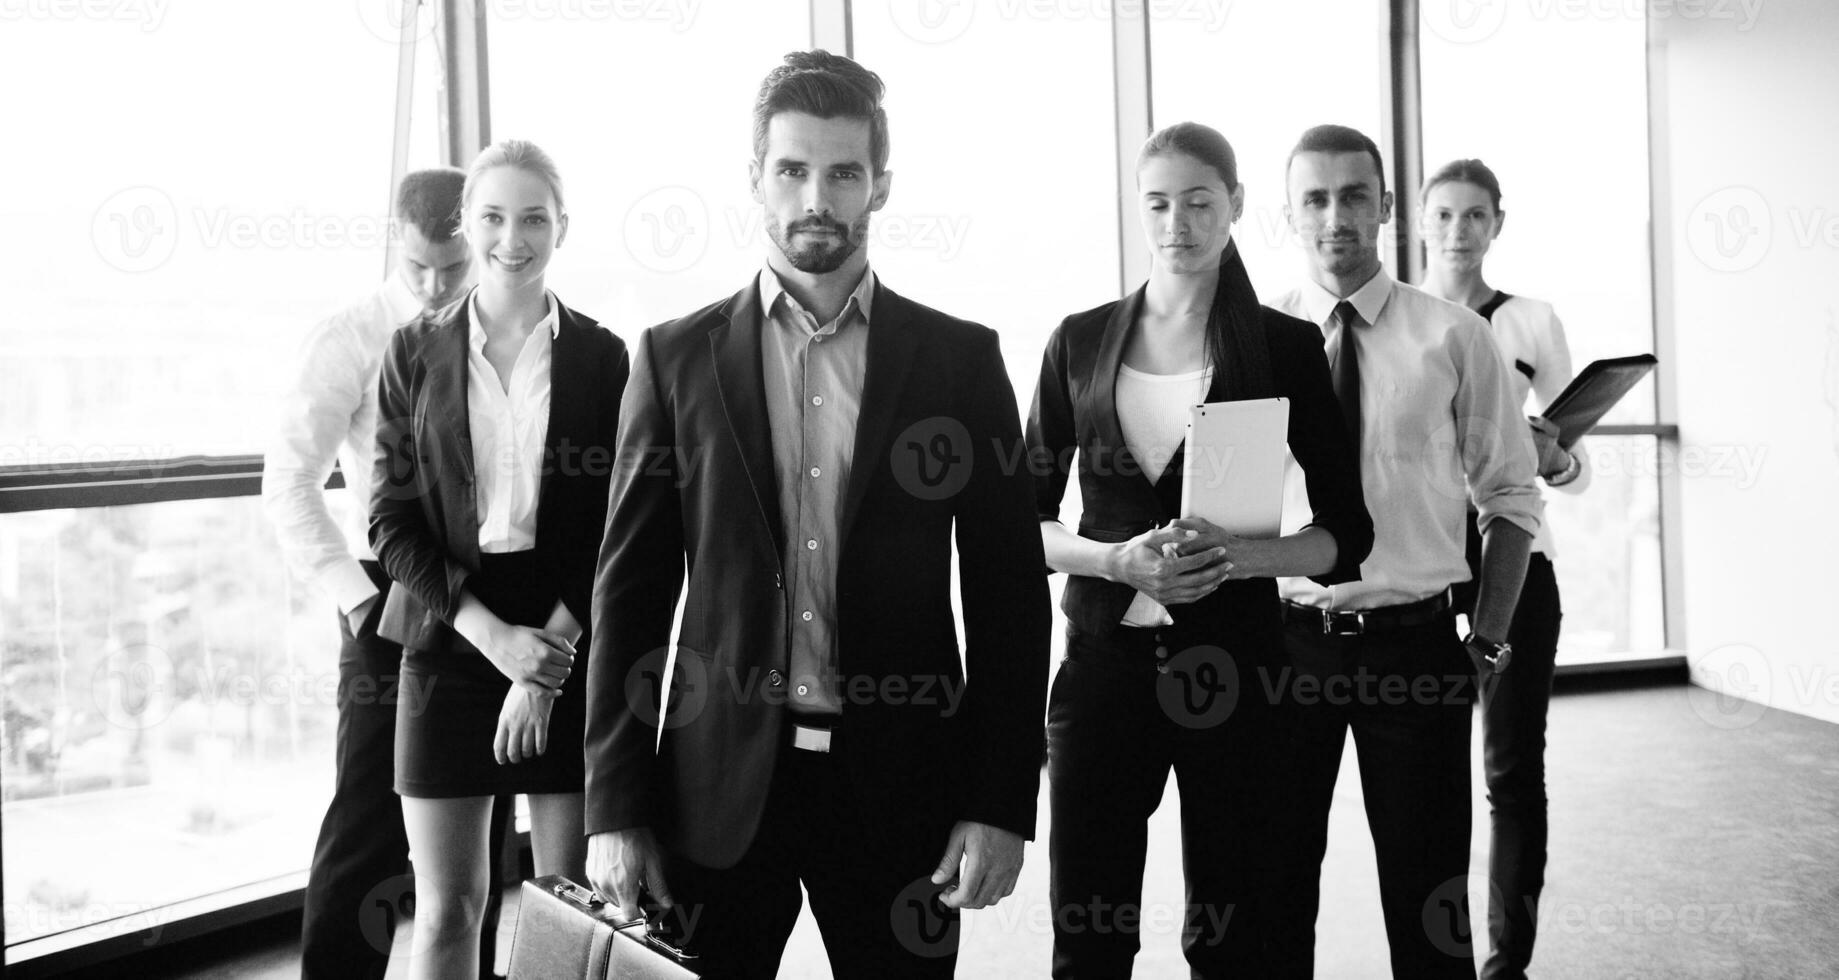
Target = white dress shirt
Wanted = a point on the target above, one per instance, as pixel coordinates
(328, 416)
(1152, 411)
(1439, 425)
(1528, 332)
(510, 424)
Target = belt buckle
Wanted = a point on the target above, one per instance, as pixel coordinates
(810, 739)
(1356, 616)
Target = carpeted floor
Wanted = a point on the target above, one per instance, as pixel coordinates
(1692, 837)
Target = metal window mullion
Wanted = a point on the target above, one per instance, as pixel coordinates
(405, 104)
(467, 106)
(1135, 120)
(1666, 346)
(1402, 129)
(833, 27)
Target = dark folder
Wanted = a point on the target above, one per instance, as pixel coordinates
(1595, 391)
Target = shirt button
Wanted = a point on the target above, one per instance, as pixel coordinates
(806, 615)
(815, 472)
(817, 400)
(803, 690)
(775, 678)
(811, 545)
(818, 339)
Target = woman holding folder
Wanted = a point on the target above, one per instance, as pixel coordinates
(1174, 658)
(1462, 216)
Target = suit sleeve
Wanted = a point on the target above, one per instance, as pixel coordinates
(1052, 435)
(1007, 616)
(636, 585)
(597, 468)
(404, 471)
(1325, 451)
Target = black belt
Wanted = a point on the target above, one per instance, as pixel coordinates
(1353, 622)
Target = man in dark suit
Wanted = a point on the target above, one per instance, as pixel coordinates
(808, 447)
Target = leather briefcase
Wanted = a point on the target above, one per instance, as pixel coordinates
(567, 932)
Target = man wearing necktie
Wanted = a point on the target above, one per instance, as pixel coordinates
(1425, 394)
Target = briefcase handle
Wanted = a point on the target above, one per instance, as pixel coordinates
(591, 901)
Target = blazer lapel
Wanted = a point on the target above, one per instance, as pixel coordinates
(570, 374)
(735, 346)
(891, 344)
(446, 407)
(1109, 431)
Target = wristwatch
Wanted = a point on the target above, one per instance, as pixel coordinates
(1498, 655)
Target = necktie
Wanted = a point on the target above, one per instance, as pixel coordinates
(1345, 371)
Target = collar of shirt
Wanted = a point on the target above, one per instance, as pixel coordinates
(1369, 300)
(476, 331)
(402, 305)
(861, 299)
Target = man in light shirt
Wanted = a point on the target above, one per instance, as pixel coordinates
(329, 415)
(1427, 396)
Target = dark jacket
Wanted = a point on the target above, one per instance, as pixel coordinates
(696, 491)
(1075, 406)
(424, 520)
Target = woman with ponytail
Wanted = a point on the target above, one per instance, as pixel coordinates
(1173, 655)
(494, 449)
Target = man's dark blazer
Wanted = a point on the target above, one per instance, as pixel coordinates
(424, 519)
(1075, 406)
(696, 486)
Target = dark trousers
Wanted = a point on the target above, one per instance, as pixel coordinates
(1122, 716)
(1406, 694)
(866, 864)
(359, 886)
(1513, 716)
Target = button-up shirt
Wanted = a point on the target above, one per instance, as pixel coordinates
(814, 374)
(510, 423)
(328, 416)
(1440, 424)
